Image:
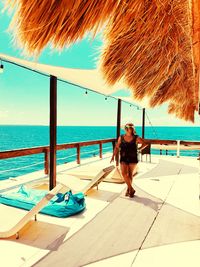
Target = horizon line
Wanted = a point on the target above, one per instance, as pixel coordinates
(45, 125)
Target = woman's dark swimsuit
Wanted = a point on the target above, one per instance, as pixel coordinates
(128, 150)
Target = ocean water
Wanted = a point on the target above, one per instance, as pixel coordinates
(17, 137)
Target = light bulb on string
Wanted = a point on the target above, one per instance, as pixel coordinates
(1, 67)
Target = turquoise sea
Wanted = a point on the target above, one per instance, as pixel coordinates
(16, 137)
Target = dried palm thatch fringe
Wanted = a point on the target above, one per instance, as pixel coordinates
(62, 22)
(196, 44)
(148, 43)
(149, 46)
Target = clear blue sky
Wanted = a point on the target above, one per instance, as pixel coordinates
(24, 95)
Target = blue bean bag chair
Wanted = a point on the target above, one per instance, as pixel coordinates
(62, 205)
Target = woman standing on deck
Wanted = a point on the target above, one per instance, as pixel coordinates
(127, 145)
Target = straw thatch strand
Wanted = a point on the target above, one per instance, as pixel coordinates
(62, 22)
(149, 46)
(196, 43)
(148, 43)
(179, 110)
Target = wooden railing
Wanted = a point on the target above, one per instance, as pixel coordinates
(161, 142)
(171, 142)
(45, 150)
(177, 144)
(79, 145)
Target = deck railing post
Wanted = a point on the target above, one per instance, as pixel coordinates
(143, 122)
(46, 161)
(118, 126)
(100, 150)
(113, 145)
(78, 149)
(53, 130)
(178, 149)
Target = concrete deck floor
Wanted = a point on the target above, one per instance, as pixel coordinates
(160, 226)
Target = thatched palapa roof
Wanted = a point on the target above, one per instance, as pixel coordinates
(63, 22)
(150, 45)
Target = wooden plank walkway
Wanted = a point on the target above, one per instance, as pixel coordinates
(130, 225)
(165, 167)
(173, 225)
(119, 228)
(163, 217)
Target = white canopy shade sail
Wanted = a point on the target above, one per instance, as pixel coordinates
(90, 78)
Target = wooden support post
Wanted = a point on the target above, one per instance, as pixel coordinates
(118, 126)
(46, 161)
(78, 154)
(100, 150)
(53, 130)
(113, 145)
(143, 122)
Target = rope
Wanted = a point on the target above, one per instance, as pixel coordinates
(67, 157)
(154, 131)
(42, 162)
(86, 152)
(24, 167)
(107, 148)
(66, 82)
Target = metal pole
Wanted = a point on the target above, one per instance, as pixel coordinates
(178, 149)
(199, 174)
(53, 130)
(143, 122)
(119, 105)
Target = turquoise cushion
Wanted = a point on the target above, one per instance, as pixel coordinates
(62, 205)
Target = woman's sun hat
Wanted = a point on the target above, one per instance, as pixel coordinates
(128, 125)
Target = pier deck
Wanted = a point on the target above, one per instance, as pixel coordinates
(158, 227)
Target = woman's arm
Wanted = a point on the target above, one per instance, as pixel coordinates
(142, 142)
(116, 149)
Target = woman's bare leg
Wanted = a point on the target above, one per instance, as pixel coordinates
(131, 169)
(126, 176)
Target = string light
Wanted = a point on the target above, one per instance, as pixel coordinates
(71, 83)
(1, 67)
